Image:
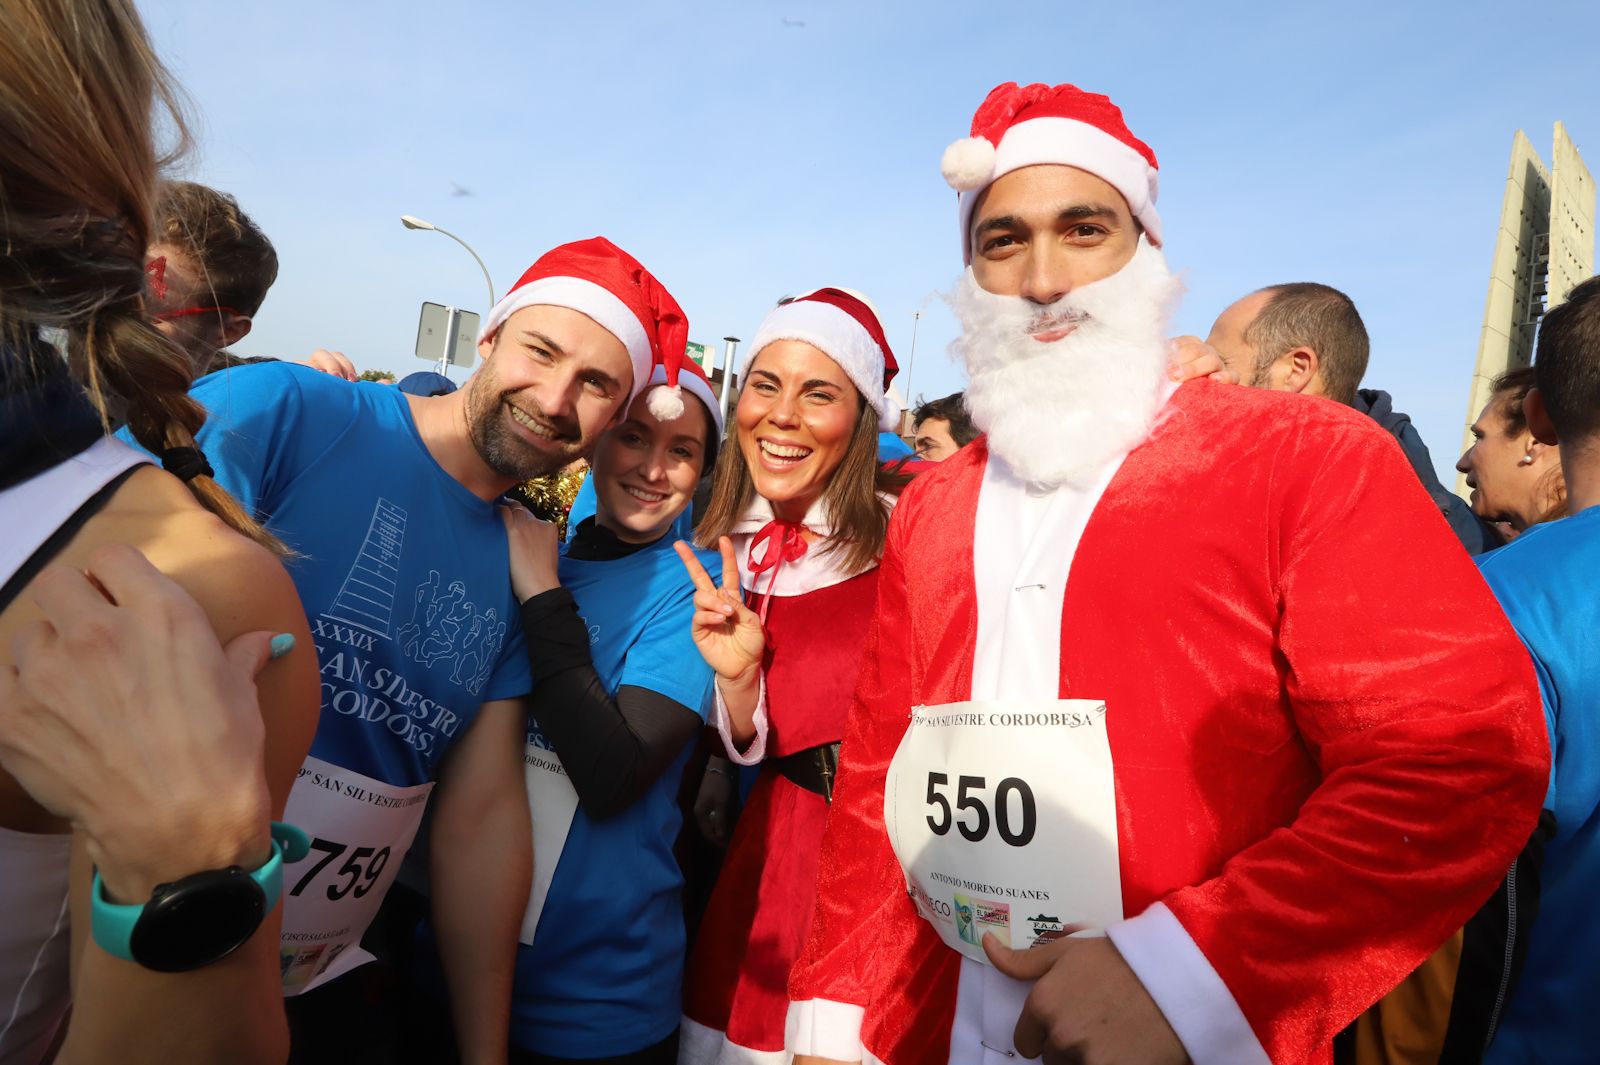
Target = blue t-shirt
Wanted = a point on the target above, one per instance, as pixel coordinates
(583, 505)
(402, 571)
(1548, 582)
(604, 976)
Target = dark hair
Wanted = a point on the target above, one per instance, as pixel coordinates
(229, 251)
(951, 409)
(860, 516)
(713, 448)
(1308, 314)
(1510, 388)
(1566, 365)
(79, 87)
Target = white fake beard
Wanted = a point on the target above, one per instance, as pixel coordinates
(1058, 412)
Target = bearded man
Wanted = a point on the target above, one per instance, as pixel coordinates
(388, 502)
(1126, 703)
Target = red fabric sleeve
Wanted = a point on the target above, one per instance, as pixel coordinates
(1412, 693)
(868, 947)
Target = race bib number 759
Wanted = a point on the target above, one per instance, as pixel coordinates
(360, 830)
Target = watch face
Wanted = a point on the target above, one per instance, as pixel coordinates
(197, 920)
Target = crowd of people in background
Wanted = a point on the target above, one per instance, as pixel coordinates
(1149, 700)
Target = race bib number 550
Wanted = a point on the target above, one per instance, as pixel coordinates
(360, 830)
(1003, 816)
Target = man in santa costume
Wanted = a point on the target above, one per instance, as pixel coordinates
(1163, 749)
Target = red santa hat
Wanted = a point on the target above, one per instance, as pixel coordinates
(599, 279)
(1018, 126)
(843, 325)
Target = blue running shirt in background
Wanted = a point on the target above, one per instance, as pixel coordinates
(402, 571)
(604, 975)
(405, 580)
(1548, 582)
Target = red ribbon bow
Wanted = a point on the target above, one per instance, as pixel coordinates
(786, 542)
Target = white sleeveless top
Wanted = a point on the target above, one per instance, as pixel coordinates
(34, 939)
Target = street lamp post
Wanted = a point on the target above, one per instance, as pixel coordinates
(413, 222)
(727, 374)
(453, 325)
(911, 360)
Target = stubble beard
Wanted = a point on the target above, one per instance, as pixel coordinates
(500, 446)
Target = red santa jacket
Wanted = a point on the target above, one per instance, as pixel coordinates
(1330, 744)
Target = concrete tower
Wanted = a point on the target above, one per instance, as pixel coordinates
(1544, 248)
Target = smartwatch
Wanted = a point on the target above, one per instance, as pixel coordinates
(200, 919)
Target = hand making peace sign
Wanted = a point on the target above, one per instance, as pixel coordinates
(727, 633)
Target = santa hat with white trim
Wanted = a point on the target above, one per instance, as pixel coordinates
(596, 278)
(1018, 126)
(844, 326)
(691, 379)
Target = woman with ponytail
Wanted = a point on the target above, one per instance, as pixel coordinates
(139, 767)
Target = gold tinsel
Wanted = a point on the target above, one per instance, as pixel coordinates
(550, 497)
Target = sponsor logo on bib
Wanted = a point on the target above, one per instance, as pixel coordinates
(1047, 929)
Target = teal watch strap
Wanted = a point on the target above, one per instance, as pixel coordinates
(289, 844)
(112, 923)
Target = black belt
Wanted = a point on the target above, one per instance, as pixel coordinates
(813, 768)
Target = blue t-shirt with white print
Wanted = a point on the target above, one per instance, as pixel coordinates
(604, 975)
(1548, 582)
(402, 571)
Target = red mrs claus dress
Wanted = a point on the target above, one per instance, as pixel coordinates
(817, 618)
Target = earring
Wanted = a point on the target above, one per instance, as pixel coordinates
(1526, 460)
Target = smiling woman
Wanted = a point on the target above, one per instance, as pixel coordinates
(807, 430)
(647, 468)
(619, 697)
(803, 506)
(799, 419)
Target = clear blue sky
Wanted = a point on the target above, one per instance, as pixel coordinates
(742, 158)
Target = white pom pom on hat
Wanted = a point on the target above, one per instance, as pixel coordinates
(968, 164)
(665, 402)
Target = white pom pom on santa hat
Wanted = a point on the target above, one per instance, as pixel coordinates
(665, 402)
(968, 164)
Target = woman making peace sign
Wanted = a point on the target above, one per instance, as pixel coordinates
(799, 507)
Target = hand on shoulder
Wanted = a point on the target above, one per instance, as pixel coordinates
(1193, 357)
(124, 715)
(535, 547)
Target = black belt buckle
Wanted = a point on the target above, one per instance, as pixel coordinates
(827, 768)
(813, 769)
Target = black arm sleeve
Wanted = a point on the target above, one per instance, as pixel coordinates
(613, 749)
